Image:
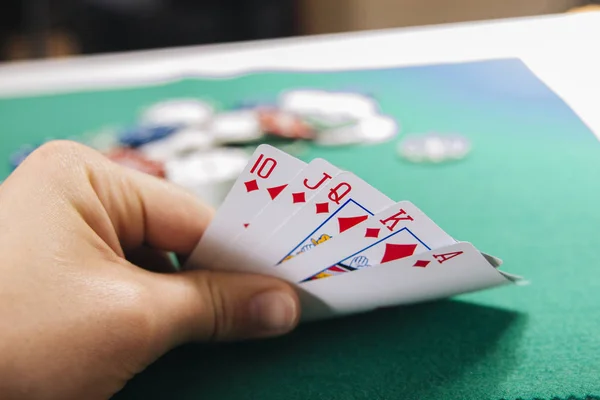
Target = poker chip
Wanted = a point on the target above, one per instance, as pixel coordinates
(143, 134)
(434, 148)
(285, 124)
(186, 139)
(378, 129)
(135, 160)
(374, 129)
(179, 144)
(317, 102)
(209, 175)
(236, 127)
(178, 112)
(344, 135)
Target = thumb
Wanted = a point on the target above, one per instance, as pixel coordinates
(222, 306)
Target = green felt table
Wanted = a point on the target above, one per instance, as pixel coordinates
(532, 199)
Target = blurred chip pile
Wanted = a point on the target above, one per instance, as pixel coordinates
(203, 148)
(193, 144)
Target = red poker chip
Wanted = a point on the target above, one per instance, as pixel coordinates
(135, 160)
(285, 125)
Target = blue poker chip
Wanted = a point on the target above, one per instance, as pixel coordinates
(140, 135)
(20, 155)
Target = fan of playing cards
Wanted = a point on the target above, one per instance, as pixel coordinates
(346, 246)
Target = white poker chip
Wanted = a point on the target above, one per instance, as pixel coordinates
(178, 112)
(210, 175)
(378, 129)
(178, 144)
(318, 102)
(232, 127)
(373, 129)
(345, 135)
(434, 148)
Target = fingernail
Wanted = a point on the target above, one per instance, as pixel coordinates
(273, 311)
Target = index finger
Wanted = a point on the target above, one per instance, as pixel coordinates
(152, 211)
(126, 208)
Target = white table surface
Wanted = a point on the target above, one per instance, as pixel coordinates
(561, 49)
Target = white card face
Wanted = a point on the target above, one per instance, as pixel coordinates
(298, 193)
(433, 275)
(345, 202)
(262, 181)
(398, 231)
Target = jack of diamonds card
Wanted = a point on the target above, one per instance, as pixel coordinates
(264, 178)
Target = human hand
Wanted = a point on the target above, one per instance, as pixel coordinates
(77, 319)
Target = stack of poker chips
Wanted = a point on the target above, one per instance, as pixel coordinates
(193, 143)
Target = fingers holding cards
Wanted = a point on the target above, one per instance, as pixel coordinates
(345, 245)
(262, 181)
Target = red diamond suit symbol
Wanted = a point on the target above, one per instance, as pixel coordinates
(421, 263)
(274, 191)
(372, 232)
(346, 223)
(322, 208)
(251, 185)
(299, 197)
(397, 251)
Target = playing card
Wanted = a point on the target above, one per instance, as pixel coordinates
(436, 274)
(398, 231)
(299, 191)
(262, 181)
(345, 202)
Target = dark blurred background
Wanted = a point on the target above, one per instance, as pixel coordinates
(55, 28)
(98, 26)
